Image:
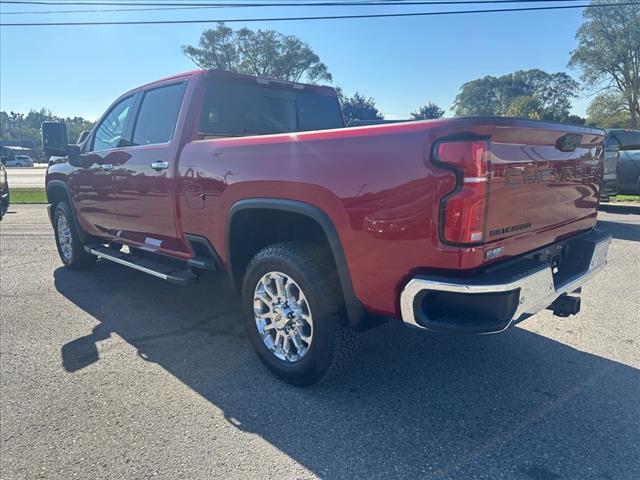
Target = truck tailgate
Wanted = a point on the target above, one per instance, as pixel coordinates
(540, 178)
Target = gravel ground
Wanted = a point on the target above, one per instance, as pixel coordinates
(113, 374)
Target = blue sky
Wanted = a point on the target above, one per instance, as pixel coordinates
(401, 62)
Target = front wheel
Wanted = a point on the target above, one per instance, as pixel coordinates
(295, 315)
(70, 247)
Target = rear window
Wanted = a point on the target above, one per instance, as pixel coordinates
(237, 110)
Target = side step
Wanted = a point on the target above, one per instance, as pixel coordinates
(161, 270)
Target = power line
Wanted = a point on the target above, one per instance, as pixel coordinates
(294, 3)
(319, 17)
(267, 3)
(146, 2)
(107, 10)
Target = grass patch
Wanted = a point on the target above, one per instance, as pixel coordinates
(28, 195)
(625, 198)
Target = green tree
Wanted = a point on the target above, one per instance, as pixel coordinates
(480, 97)
(428, 111)
(609, 109)
(359, 107)
(17, 126)
(265, 53)
(551, 92)
(608, 53)
(525, 107)
(576, 120)
(75, 126)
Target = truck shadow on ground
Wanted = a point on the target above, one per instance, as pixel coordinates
(620, 230)
(516, 405)
(620, 209)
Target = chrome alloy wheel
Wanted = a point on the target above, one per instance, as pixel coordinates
(64, 237)
(283, 317)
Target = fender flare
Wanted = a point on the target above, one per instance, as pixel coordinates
(355, 310)
(84, 236)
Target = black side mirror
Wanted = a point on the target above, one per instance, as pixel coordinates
(54, 139)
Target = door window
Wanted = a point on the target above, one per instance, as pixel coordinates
(158, 115)
(113, 127)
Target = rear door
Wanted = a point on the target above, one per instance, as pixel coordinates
(92, 184)
(143, 181)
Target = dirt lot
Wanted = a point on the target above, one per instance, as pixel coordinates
(113, 374)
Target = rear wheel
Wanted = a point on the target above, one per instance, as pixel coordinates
(295, 315)
(70, 247)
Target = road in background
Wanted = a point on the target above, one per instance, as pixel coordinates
(110, 373)
(26, 177)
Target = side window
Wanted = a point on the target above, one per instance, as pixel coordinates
(112, 128)
(158, 114)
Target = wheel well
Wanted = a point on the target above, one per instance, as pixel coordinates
(253, 229)
(56, 194)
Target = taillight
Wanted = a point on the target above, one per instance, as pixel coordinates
(464, 212)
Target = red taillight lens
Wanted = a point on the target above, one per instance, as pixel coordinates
(465, 210)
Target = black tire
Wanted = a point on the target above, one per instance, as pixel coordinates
(4, 200)
(75, 257)
(334, 342)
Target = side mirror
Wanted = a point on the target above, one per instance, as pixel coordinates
(54, 139)
(83, 136)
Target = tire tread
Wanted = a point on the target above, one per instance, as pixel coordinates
(319, 266)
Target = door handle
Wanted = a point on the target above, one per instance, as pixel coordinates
(157, 166)
(106, 166)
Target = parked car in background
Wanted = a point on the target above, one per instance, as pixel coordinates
(19, 161)
(609, 169)
(4, 191)
(628, 163)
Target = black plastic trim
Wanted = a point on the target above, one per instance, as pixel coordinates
(84, 236)
(358, 318)
(211, 261)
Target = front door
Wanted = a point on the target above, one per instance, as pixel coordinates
(143, 182)
(92, 184)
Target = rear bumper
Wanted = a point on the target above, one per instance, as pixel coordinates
(505, 294)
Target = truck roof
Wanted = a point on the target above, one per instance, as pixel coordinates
(228, 76)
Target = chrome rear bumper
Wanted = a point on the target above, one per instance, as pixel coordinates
(527, 285)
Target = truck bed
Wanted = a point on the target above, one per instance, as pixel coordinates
(382, 191)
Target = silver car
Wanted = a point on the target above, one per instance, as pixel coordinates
(19, 161)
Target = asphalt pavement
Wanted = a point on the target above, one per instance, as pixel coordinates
(110, 373)
(26, 177)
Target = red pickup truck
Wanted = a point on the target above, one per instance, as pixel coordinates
(466, 225)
